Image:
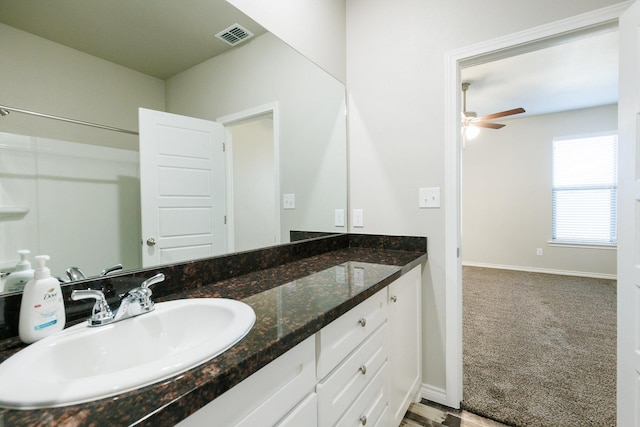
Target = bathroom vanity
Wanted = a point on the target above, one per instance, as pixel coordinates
(336, 341)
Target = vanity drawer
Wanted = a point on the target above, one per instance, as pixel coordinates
(339, 338)
(339, 390)
(371, 407)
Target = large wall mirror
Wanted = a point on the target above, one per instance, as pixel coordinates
(73, 191)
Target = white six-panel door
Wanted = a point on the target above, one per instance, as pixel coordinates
(628, 392)
(182, 188)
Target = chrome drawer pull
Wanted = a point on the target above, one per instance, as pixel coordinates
(394, 298)
(363, 369)
(363, 322)
(363, 420)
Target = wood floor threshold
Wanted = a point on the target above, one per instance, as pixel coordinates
(431, 414)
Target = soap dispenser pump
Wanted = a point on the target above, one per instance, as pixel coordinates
(42, 309)
(16, 281)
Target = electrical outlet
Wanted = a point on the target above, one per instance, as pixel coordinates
(339, 218)
(358, 218)
(288, 201)
(539, 251)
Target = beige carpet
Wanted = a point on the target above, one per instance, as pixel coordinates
(539, 349)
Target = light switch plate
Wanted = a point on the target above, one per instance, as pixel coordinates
(341, 273)
(429, 197)
(358, 276)
(288, 201)
(358, 218)
(339, 218)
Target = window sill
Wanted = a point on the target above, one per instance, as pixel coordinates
(583, 245)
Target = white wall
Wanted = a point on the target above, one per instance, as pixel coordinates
(395, 79)
(254, 185)
(314, 28)
(311, 120)
(47, 77)
(506, 195)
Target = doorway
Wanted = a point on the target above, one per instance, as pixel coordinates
(253, 193)
(480, 53)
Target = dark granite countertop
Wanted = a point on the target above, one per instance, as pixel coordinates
(292, 301)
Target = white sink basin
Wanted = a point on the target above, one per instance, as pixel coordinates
(83, 363)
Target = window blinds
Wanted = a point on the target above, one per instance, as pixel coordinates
(584, 189)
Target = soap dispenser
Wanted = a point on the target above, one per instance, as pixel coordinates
(42, 308)
(16, 281)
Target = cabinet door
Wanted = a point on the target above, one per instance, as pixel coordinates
(405, 338)
(305, 414)
(265, 397)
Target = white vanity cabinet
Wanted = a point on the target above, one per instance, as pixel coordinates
(405, 343)
(282, 392)
(370, 407)
(376, 373)
(305, 414)
(364, 368)
(351, 352)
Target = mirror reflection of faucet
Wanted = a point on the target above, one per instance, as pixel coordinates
(135, 302)
(74, 273)
(111, 269)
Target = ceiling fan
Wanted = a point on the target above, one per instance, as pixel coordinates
(470, 119)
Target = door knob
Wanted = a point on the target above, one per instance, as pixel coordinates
(151, 241)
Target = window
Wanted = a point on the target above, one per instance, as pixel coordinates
(585, 172)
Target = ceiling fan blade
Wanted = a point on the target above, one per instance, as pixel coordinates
(502, 114)
(487, 125)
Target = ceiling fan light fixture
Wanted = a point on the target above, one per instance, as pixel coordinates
(472, 122)
(471, 132)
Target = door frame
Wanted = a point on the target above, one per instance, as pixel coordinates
(230, 119)
(454, 60)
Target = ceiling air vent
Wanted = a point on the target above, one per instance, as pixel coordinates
(234, 34)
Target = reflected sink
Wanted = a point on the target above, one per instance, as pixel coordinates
(83, 363)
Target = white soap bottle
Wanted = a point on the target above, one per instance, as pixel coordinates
(16, 281)
(42, 309)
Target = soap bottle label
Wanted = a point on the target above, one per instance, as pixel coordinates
(47, 311)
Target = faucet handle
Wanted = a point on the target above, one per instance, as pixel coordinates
(152, 280)
(143, 292)
(111, 269)
(101, 312)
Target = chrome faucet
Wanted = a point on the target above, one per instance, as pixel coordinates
(135, 302)
(74, 273)
(111, 269)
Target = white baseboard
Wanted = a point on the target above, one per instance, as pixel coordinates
(542, 270)
(434, 394)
